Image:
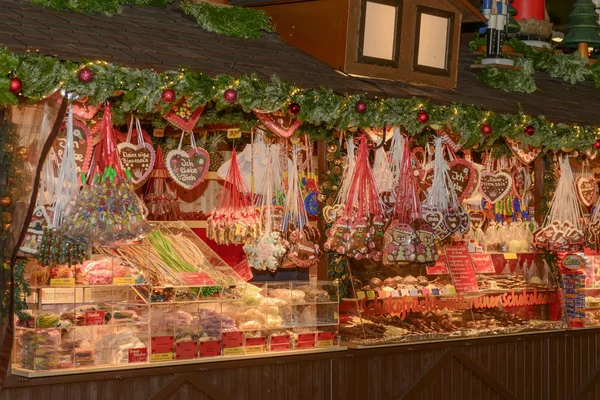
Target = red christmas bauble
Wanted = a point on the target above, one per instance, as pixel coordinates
(230, 95)
(15, 85)
(168, 95)
(423, 117)
(360, 107)
(597, 144)
(486, 129)
(529, 130)
(294, 108)
(85, 75)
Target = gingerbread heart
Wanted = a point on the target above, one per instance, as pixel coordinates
(188, 169)
(465, 221)
(477, 218)
(279, 123)
(462, 177)
(138, 159)
(586, 190)
(494, 186)
(452, 220)
(526, 153)
(433, 218)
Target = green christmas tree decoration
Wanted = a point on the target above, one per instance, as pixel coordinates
(513, 26)
(583, 27)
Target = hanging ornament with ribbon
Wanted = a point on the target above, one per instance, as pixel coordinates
(138, 159)
(188, 168)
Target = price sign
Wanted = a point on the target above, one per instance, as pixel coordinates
(186, 350)
(483, 263)
(325, 339)
(129, 280)
(233, 343)
(94, 318)
(210, 349)
(461, 269)
(138, 355)
(255, 345)
(280, 342)
(306, 340)
(440, 267)
(62, 282)
(162, 348)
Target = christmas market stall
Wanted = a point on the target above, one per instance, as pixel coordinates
(185, 192)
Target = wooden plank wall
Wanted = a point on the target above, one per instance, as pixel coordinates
(553, 366)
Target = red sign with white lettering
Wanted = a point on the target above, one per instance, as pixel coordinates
(461, 269)
(94, 317)
(210, 349)
(138, 355)
(483, 263)
(186, 350)
(440, 267)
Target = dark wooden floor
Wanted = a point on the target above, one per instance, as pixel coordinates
(554, 366)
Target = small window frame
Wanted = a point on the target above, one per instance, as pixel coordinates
(397, 4)
(450, 41)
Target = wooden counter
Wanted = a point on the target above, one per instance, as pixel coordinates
(558, 365)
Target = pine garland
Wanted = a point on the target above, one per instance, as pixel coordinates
(231, 21)
(571, 68)
(134, 91)
(105, 7)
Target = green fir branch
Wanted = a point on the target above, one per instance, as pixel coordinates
(232, 21)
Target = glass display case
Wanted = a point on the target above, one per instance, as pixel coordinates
(167, 298)
(488, 294)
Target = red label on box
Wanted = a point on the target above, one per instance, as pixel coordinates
(325, 336)
(232, 339)
(94, 317)
(461, 269)
(256, 341)
(162, 344)
(280, 347)
(210, 349)
(440, 267)
(483, 263)
(138, 355)
(280, 339)
(306, 340)
(185, 350)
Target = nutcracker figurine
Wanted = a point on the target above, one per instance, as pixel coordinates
(496, 12)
